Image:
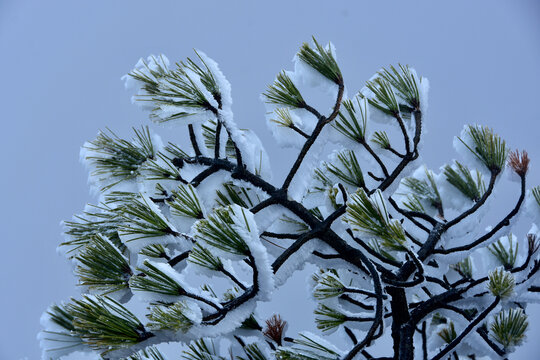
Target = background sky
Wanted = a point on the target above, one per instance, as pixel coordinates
(61, 62)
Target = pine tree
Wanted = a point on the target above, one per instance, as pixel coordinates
(199, 235)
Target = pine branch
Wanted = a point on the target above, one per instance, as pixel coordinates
(143, 220)
(178, 93)
(103, 267)
(509, 327)
(487, 146)
(369, 215)
(322, 60)
(149, 353)
(85, 227)
(118, 159)
(185, 202)
(219, 230)
(176, 317)
(284, 92)
(405, 82)
(348, 169)
(157, 278)
(384, 98)
(462, 179)
(104, 324)
(284, 119)
(507, 257)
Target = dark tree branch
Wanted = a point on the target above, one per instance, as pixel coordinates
(280, 235)
(496, 228)
(404, 133)
(478, 204)
(298, 130)
(480, 330)
(424, 341)
(351, 335)
(467, 330)
(376, 157)
(410, 215)
(216, 317)
(360, 304)
(178, 258)
(193, 139)
(218, 139)
(322, 121)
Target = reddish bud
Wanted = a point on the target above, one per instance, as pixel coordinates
(275, 327)
(519, 162)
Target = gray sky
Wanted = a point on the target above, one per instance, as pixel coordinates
(61, 62)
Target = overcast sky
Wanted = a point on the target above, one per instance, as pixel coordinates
(61, 62)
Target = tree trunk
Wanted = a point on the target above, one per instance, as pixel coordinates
(401, 334)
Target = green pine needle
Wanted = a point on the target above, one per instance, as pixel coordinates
(462, 179)
(405, 82)
(176, 151)
(487, 146)
(448, 334)
(161, 170)
(536, 194)
(509, 327)
(414, 203)
(299, 226)
(352, 121)
(156, 278)
(369, 215)
(171, 317)
(464, 268)
(105, 324)
(220, 231)
(157, 251)
(284, 92)
(251, 324)
(202, 349)
(206, 75)
(322, 179)
(61, 316)
(384, 97)
(284, 118)
(322, 60)
(176, 89)
(348, 169)
(185, 202)
(376, 246)
(209, 134)
(307, 348)
(253, 352)
(438, 319)
(150, 83)
(149, 353)
(230, 294)
(328, 286)
(118, 159)
(328, 318)
(234, 194)
(506, 256)
(381, 139)
(202, 256)
(85, 227)
(501, 283)
(119, 199)
(425, 190)
(102, 267)
(143, 220)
